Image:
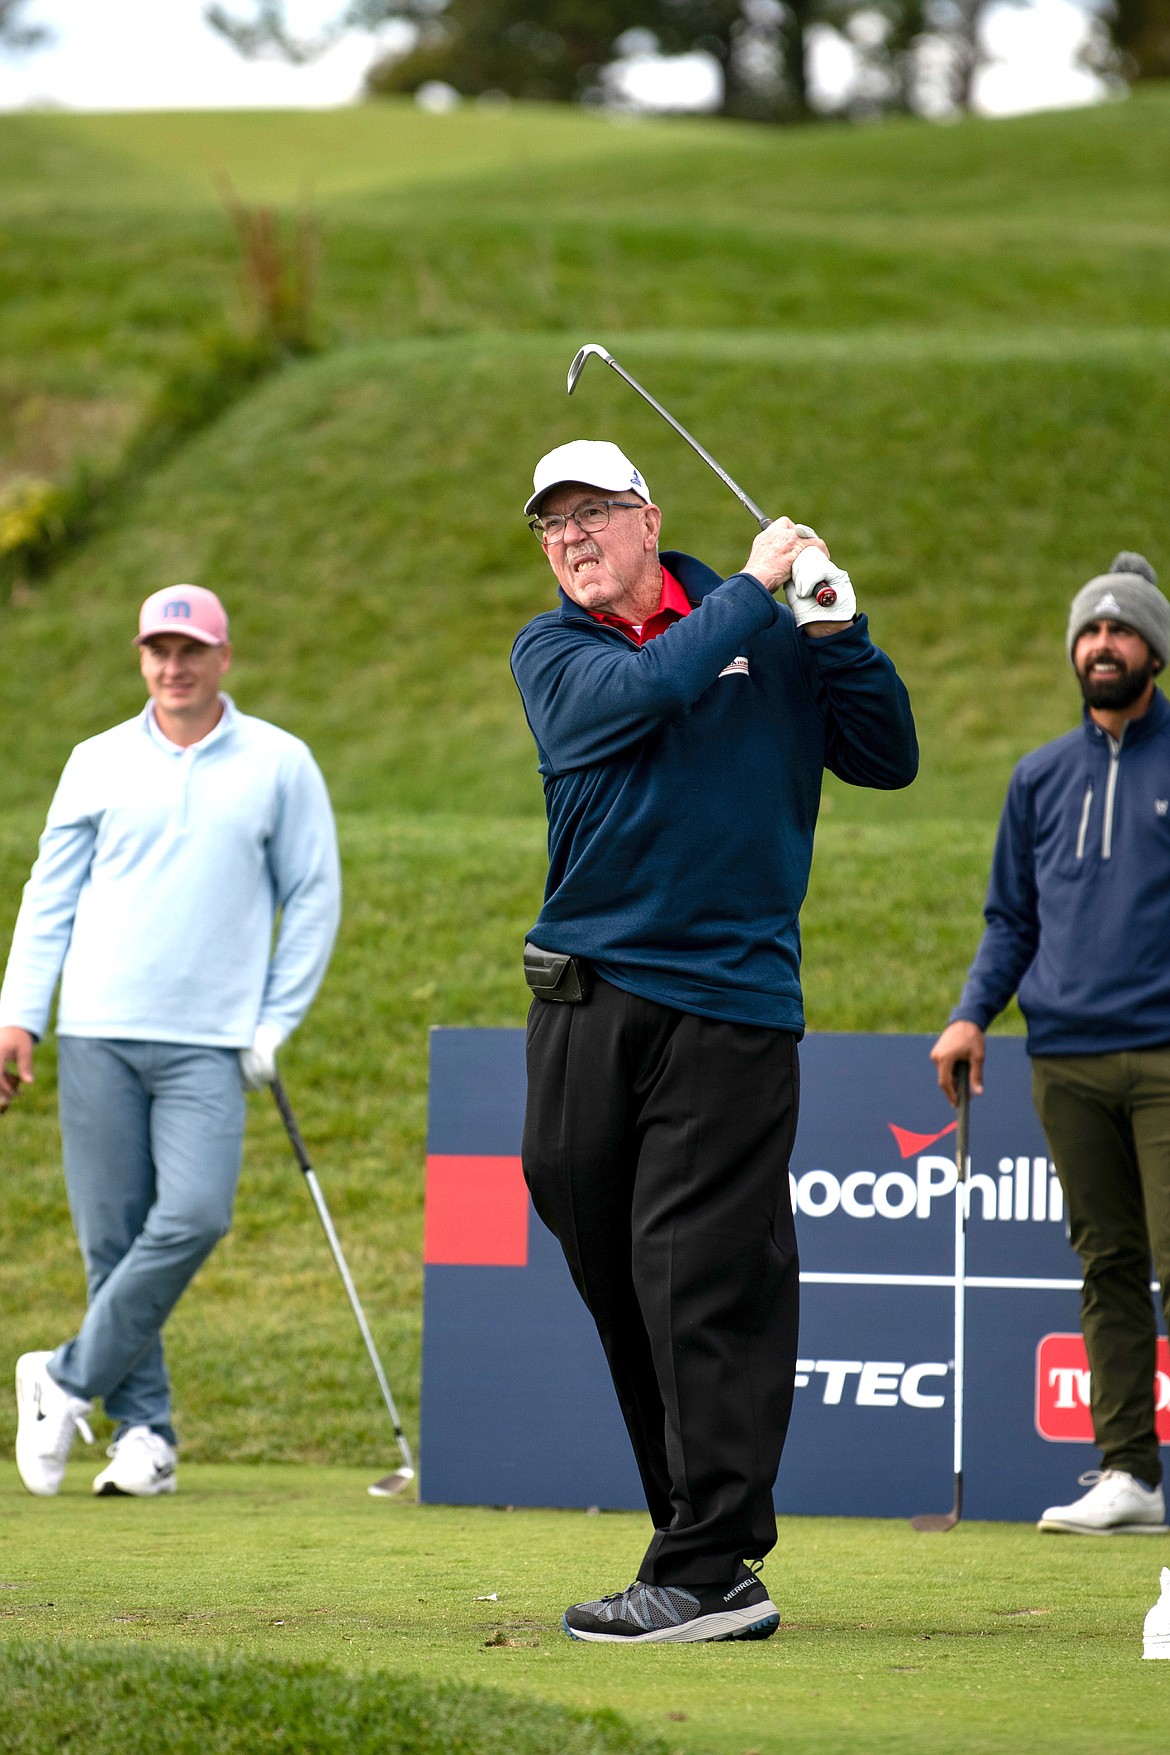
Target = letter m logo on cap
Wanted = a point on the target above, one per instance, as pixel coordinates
(178, 609)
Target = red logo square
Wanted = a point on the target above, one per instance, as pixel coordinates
(1062, 1391)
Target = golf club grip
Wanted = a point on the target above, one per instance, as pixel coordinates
(825, 595)
(963, 1107)
(290, 1125)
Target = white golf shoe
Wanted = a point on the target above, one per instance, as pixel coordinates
(142, 1464)
(1115, 1505)
(47, 1419)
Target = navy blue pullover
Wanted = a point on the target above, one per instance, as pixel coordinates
(1078, 908)
(682, 786)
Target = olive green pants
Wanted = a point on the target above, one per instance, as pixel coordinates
(1107, 1119)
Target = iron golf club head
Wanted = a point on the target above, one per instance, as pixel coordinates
(391, 1484)
(578, 365)
(927, 1523)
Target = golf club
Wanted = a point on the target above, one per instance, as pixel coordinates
(394, 1482)
(931, 1522)
(826, 596)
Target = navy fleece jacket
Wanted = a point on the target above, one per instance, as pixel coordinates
(682, 781)
(1078, 908)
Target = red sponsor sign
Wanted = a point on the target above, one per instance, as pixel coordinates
(1062, 1391)
(477, 1211)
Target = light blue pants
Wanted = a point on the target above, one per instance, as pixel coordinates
(152, 1135)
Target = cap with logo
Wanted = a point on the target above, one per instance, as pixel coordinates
(592, 462)
(1127, 593)
(184, 609)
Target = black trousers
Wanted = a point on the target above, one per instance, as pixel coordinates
(656, 1148)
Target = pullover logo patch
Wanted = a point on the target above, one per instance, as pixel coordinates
(737, 667)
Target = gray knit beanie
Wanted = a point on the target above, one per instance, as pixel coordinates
(1127, 593)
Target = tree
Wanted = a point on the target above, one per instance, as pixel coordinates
(888, 39)
(558, 48)
(15, 33)
(958, 25)
(1136, 40)
(915, 55)
(554, 50)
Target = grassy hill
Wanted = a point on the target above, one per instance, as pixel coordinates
(945, 347)
(361, 517)
(113, 242)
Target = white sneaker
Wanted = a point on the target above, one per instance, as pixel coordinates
(142, 1464)
(47, 1418)
(1115, 1505)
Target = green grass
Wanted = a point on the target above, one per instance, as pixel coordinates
(360, 516)
(987, 1640)
(108, 1701)
(114, 245)
(945, 347)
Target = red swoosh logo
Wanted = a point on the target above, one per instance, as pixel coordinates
(909, 1144)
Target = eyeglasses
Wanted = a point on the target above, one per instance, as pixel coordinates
(589, 518)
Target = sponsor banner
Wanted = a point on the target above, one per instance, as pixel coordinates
(517, 1405)
(1063, 1385)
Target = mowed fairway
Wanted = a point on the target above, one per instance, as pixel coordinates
(948, 348)
(990, 1639)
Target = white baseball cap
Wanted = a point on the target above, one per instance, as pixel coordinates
(594, 463)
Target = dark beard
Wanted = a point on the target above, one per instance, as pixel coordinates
(1118, 692)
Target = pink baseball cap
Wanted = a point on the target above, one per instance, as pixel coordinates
(184, 609)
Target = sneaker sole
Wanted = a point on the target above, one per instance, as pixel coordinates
(110, 1490)
(758, 1622)
(1053, 1526)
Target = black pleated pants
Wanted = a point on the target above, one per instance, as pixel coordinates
(656, 1147)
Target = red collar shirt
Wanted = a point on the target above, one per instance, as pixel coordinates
(672, 606)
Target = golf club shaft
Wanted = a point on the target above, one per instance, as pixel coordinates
(749, 504)
(962, 1159)
(826, 594)
(302, 1157)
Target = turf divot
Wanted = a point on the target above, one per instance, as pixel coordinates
(108, 1701)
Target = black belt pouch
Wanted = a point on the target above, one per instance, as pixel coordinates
(555, 976)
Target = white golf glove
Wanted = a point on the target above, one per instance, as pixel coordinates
(811, 571)
(258, 1063)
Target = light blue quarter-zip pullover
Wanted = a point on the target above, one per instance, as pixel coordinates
(156, 889)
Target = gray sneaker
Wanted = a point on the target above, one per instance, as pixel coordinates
(651, 1614)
